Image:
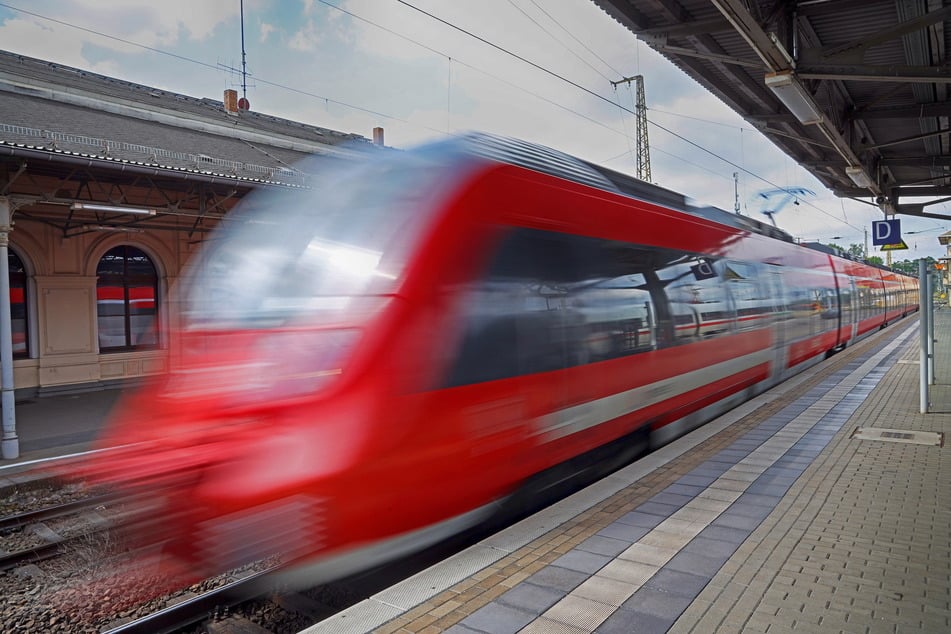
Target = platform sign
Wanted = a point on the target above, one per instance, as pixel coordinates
(898, 246)
(886, 232)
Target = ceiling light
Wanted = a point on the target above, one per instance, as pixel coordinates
(119, 209)
(858, 176)
(794, 96)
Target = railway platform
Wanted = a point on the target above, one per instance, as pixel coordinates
(820, 506)
(54, 426)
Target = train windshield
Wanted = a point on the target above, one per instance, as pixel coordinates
(314, 254)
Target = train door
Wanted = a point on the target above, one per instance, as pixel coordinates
(774, 282)
(853, 309)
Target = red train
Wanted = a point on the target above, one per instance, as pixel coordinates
(368, 365)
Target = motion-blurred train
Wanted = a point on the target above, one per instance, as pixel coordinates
(365, 366)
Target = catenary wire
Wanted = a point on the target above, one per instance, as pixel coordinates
(380, 114)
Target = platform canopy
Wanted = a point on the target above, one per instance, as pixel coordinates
(856, 91)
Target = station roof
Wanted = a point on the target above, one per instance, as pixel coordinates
(856, 91)
(55, 109)
(84, 152)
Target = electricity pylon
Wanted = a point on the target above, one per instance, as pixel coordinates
(643, 155)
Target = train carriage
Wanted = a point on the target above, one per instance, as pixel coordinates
(379, 360)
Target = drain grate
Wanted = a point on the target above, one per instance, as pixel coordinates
(899, 435)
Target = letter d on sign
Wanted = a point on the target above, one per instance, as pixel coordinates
(886, 232)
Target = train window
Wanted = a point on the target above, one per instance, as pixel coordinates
(695, 290)
(846, 303)
(551, 301)
(750, 293)
(287, 255)
(126, 300)
(18, 306)
(812, 300)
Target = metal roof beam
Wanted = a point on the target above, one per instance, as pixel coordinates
(889, 161)
(858, 47)
(777, 60)
(684, 29)
(942, 109)
(868, 72)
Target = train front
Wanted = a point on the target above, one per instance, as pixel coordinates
(246, 450)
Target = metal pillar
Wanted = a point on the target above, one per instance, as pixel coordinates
(931, 285)
(10, 445)
(923, 300)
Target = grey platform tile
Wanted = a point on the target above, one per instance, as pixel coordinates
(784, 471)
(498, 619)
(626, 532)
(764, 488)
(604, 545)
(638, 518)
(582, 561)
(805, 453)
(683, 489)
(676, 499)
(696, 564)
(793, 461)
(786, 481)
(745, 445)
(758, 499)
(658, 603)
(752, 511)
(711, 547)
(734, 520)
(708, 471)
(727, 534)
(700, 481)
(630, 622)
(675, 582)
(558, 578)
(531, 598)
(461, 629)
(737, 521)
(658, 508)
(730, 455)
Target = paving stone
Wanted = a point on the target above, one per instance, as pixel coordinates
(604, 545)
(632, 622)
(658, 603)
(678, 583)
(558, 578)
(582, 561)
(531, 598)
(498, 619)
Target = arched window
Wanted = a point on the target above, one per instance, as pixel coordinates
(18, 304)
(126, 300)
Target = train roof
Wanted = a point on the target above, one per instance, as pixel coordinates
(546, 160)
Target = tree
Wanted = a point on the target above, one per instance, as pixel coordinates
(856, 251)
(910, 267)
(876, 260)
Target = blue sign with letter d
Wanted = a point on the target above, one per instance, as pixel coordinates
(886, 232)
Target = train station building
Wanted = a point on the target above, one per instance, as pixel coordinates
(107, 188)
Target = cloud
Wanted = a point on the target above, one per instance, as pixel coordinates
(306, 38)
(266, 30)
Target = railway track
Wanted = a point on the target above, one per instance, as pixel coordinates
(52, 542)
(196, 609)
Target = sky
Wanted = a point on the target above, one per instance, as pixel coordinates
(539, 70)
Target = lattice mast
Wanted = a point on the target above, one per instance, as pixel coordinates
(643, 150)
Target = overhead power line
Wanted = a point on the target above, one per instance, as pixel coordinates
(391, 117)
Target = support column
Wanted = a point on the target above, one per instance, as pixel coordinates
(923, 300)
(10, 445)
(930, 304)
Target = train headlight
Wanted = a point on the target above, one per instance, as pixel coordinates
(295, 363)
(275, 365)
